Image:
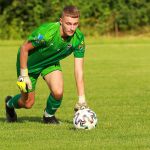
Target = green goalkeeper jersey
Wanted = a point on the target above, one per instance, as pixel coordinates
(50, 47)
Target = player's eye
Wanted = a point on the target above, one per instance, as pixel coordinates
(68, 23)
(76, 23)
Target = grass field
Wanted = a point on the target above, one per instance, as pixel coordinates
(117, 77)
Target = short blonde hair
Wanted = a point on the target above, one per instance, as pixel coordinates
(71, 11)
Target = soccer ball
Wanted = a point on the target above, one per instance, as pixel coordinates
(85, 119)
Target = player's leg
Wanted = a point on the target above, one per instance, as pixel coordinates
(22, 100)
(54, 80)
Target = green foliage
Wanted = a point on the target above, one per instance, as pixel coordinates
(19, 18)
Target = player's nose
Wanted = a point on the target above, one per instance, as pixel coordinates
(72, 27)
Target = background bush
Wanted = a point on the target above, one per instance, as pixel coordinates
(19, 17)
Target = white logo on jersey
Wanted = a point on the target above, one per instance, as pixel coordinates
(69, 46)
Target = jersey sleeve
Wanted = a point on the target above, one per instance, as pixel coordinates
(37, 37)
(80, 49)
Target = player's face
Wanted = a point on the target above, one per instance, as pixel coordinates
(68, 25)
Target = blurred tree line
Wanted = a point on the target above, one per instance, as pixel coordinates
(19, 17)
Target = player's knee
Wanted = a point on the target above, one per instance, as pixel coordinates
(58, 94)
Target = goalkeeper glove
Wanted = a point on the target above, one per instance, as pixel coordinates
(81, 104)
(24, 81)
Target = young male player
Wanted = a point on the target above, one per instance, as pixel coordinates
(40, 55)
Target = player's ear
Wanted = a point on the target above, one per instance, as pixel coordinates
(60, 20)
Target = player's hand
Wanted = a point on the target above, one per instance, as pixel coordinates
(24, 81)
(81, 104)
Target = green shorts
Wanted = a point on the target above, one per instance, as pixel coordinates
(44, 72)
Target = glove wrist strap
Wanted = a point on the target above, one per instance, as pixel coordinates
(24, 72)
(82, 98)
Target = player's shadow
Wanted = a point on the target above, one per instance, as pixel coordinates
(34, 119)
(30, 119)
(2, 119)
(65, 121)
(25, 119)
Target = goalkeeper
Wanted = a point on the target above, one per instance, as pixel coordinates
(40, 55)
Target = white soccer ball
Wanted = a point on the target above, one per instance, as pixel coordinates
(85, 119)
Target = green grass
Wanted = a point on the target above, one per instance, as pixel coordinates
(117, 79)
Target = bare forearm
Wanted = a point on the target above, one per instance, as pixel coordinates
(80, 84)
(24, 79)
(23, 57)
(27, 46)
(79, 77)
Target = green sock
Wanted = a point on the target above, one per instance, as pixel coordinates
(13, 103)
(52, 105)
